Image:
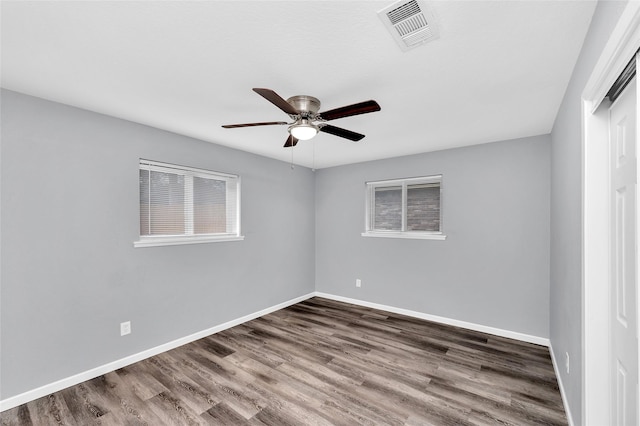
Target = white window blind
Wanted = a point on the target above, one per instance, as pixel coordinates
(182, 204)
(404, 208)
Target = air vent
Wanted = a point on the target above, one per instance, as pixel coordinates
(410, 23)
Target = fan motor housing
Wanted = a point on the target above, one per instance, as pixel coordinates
(305, 103)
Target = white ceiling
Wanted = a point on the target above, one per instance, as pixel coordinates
(498, 71)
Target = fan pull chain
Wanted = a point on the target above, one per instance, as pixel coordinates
(313, 156)
(292, 166)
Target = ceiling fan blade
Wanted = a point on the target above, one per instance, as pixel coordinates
(349, 110)
(291, 141)
(266, 123)
(343, 133)
(275, 99)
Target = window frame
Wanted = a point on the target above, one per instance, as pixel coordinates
(189, 237)
(370, 188)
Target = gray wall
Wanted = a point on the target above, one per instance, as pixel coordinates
(493, 268)
(70, 273)
(566, 209)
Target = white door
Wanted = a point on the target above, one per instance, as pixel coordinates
(624, 259)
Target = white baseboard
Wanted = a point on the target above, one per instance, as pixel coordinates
(45, 390)
(554, 361)
(443, 320)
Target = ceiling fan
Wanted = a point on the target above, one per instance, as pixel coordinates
(307, 121)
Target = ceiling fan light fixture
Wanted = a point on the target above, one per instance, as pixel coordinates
(304, 130)
(303, 109)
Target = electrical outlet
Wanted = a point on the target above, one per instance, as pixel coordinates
(358, 282)
(566, 361)
(125, 328)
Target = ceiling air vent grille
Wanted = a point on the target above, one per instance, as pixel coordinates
(404, 11)
(409, 22)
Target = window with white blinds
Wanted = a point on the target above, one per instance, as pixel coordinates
(180, 205)
(405, 208)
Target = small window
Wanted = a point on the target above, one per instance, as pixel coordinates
(183, 205)
(405, 208)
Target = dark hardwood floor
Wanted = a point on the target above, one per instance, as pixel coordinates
(320, 362)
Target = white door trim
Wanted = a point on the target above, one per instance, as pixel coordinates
(619, 50)
(621, 47)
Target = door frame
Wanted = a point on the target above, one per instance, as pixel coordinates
(619, 50)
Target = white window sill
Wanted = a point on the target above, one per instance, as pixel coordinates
(409, 235)
(168, 241)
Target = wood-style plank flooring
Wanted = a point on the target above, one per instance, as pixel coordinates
(320, 362)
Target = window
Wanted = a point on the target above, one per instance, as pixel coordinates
(405, 208)
(183, 205)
